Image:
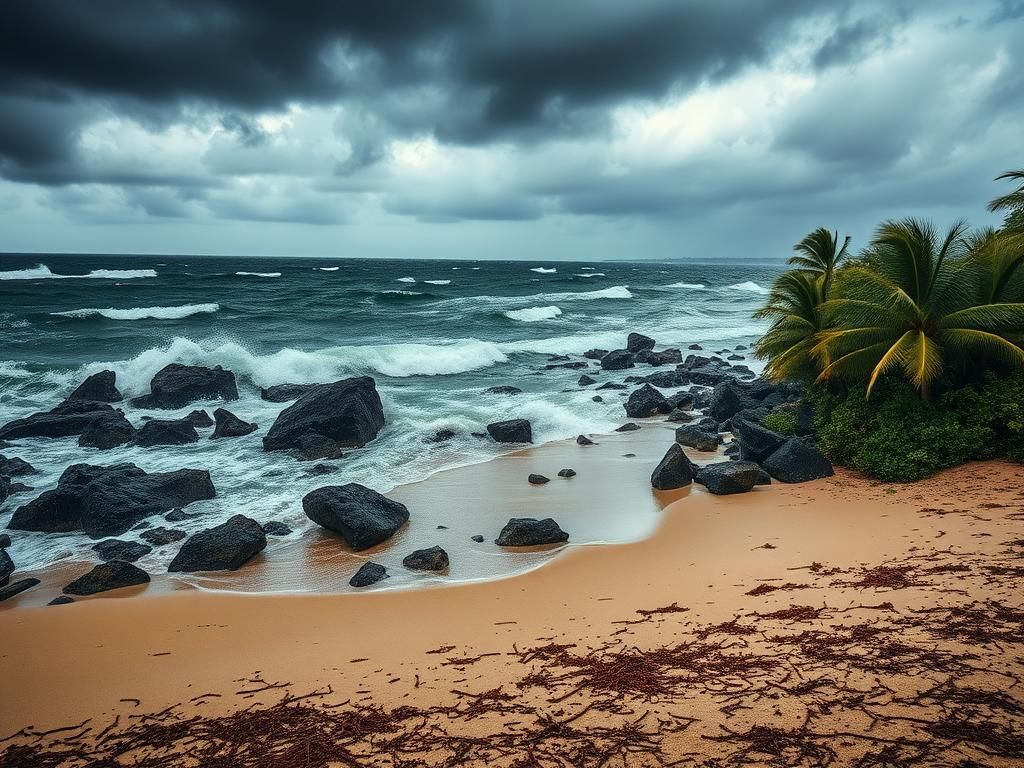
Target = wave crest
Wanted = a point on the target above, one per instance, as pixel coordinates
(544, 270)
(749, 286)
(258, 274)
(143, 313)
(533, 314)
(43, 272)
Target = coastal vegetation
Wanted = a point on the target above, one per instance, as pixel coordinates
(913, 349)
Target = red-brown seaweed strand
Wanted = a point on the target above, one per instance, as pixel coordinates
(620, 704)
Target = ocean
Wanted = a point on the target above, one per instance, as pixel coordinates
(434, 335)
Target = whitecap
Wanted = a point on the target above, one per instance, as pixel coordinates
(42, 272)
(694, 286)
(143, 313)
(749, 286)
(258, 274)
(533, 314)
(328, 269)
(544, 270)
(404, 293)
(590, 274)
(438, 282)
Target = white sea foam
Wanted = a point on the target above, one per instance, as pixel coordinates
(143, 313)
(533, 314)
(258, 274)
(42, 272)
(590, 274)
(544, 270)
(749, 286)
(404, 293)
(328, 269)
(438, 282)
(407, 279)
(694, 286)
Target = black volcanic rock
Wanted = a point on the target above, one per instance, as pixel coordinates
(107, 501)
(166, 432)
(276, 528)
(583, 440)
(368, 573)
(756, 442)
(595, 354)
(224, 547)
(694, 437)
(100, 387)
(567, 473)
(116, 549)
(511, 431)
(283, 393)
(586, 381)
(161, 536)
(108, 431)
(617, 360)
(674, 470)
(176, 385)
(16, 588)
(637, 342)
(61, 600)
(536, 479)
(629, 426)
(69, 418)
(6, 567)
(15, 467)
(503, 389)
(360, 515)
(432, 559)
(114, 574)
(199, 419)
(229, 425)
(528, 532)
(729, 477)
(646, 402)
(798, 461)
(345, 414)
(727, 400)
(441, 436)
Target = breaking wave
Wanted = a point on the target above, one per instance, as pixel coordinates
(143, 313)
(533, 314)
(42, 272)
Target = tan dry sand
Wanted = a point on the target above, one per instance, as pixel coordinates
(885, 624)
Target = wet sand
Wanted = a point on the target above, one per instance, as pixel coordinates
(877, 573)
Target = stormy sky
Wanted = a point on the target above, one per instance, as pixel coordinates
(540, 129)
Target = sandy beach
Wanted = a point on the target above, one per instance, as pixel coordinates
(839, 622)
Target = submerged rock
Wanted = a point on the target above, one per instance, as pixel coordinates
(674, 470)
(108, 431)
(115, 574)
(276, 528)
(441, 436)
(368, 573)
(360, 515)
(729, 477)
(586, 381)
(511, 431)
(798, 461)
(224, 547)
(107, 501)
(166, 432)
(432, 559)
(595, 354)
(161, 536)
(176, 385)
(229, 425)
(345, 414)
(503, 389)
(100, 388)
(646, 402)
(283, 393)
(528, 532)
(116, 549)
(69, 418)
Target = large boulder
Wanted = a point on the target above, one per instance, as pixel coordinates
(360, 515)
(6, 567)
(107, 431)
(798, 461)
(69, 418)
(345, 414)
(15, 467)
(16, 588)
(177, 385)
(637, 342)
(229, 425)
(664, 357)
(729, 477)
(511, 431)
(617, 360)
(528, 531)
(368, 573)
(727, 400)
(224, 547)
(432, 559)
(675, 470)
(116, 549)
(595, 354)
(100, 387)
(114, 574)
(283, 393)
(663, 379)
(756, 442)
(107, 501)
(166, 432)
(693, 436)
(645, 402)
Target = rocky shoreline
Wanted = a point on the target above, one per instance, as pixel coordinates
(718, 403)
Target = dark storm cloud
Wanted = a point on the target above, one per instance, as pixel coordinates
(849, 41)
(500, 70)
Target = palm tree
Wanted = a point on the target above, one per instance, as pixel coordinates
(912, 302)
(796, 322)
(1012, 203)
(820, 253)
(999, 261)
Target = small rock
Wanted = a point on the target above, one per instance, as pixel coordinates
(528, 531)
(613, 385)
(617, 360)
(538, 479)
(583, 440)
(693, 437)
(477, 538)
(368, 573)
(646, 402)
(679, 416)
(586, 381)
(503, 389)
(511, 431)
(160, 536)
(441, 436)
(61, 600)
(360, 515)
(166, 432)
(224, 547)
(637, 342)
(116, 549)
(177, 516)
(595, 354)
(432, 559)
(567, 473)
(597, 399)
(200, 419)
(229, 425)
(629, 426)
(16, 588)
(115, 574)
(276, 528)
(318, 470)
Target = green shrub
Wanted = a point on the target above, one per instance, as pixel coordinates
(782, 421)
